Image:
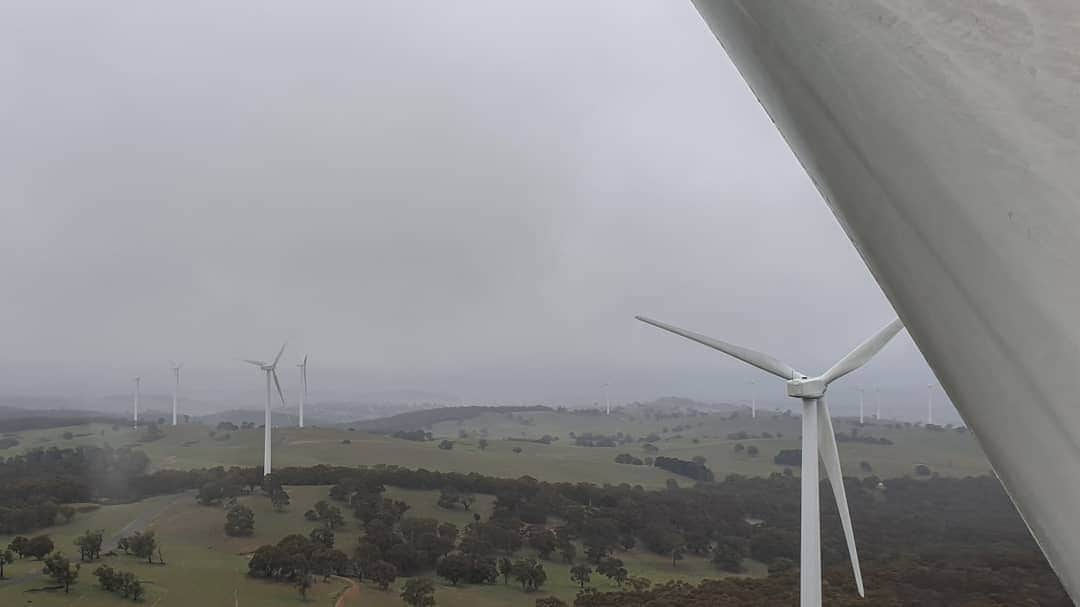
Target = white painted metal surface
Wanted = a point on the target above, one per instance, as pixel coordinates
(944, 136)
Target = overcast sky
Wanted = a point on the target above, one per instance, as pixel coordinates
(469, 197)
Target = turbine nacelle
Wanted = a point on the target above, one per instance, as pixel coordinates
(807, 387)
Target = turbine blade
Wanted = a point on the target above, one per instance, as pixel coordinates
(278, 384)
(257, 363)
(280, 352)
(830, 457)
(863, 353)
(752, 357)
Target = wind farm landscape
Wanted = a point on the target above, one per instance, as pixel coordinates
(716, 303)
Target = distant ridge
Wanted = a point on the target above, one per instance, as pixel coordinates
(414, 420)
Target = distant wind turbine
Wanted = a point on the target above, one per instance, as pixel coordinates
(816, 424)
(271, 375)
(135, 412)
(929, 404)
(176, 387)
(862, 403)
(753, 399)
(607, 400)
(877, 398)
(303, 388)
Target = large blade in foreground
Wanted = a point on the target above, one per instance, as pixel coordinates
(950, 161)
(830, 458)
(753, 357)
(278, 385)
(863, 353)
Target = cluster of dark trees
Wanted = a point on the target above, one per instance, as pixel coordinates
(295, 559)
(413, 435)
(34, 485)
(123, 583)
(855, 437)
(690, 469)
(626, 458)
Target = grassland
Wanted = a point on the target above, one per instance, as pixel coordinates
(947, 453)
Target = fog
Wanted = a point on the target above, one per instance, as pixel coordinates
(472, 199)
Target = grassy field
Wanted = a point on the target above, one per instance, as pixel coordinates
(205, 567)
(945, 452)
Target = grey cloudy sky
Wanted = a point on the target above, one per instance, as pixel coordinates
(472, 197)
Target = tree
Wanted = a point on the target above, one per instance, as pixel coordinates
(550, 601)
(61, 570)
(322, 536)
(38, 546)
(677, 554)
(739, 448)
(303, 583)
(446, 445)
(6, 558)
(418, 592)
(506, 569)
(638, 583)
(613, 569)
(279, 498)
(89, 544)
(516, 449)
(727, 557)
(143, 545)
(482, 443)
(865, 466)
(454, 567)
(240, 521)
(752, 451)
(568, 551)
(328, 515)
(18, 545)
(580, 575)
(383, 574)
(529, 573)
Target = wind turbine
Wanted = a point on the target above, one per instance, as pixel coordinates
(877, 398)
(862, 403)
(271, 374)
(303, 388)
(176, 387)
(135, 411)
(929, 404)
(607, 400)
(817, 437)
(753, 399)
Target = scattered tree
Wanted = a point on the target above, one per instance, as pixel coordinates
(61, 570)
(418, 592)
(89, 544)
(240, 521)
(382, 573)
(580, 575)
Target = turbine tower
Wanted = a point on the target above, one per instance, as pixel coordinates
(929, 404)
(817, 437)
(176, 387)
(877, 398)
(271, 375)
(607, 400)
(862, 404)
(135, 411)
(303, 388)
(753, 399)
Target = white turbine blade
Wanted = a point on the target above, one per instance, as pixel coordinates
(280, 352)
(862, 354)
(257, 363)
(752, 357)
(278, 384)
(830, 457)
(305, 360)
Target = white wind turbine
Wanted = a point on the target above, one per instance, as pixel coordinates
(817, 437)
(176, 387)
(929, 404)
(271, 375)
(607, 399)
(753, 399)
(862, 403)
(877, 398)
(135, 410)
(303, 387)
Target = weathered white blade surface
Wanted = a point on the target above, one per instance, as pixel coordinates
(280, 352)
(257, 363)
(830, 458)
(948, 154)
(752, 357)
(863, 353)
